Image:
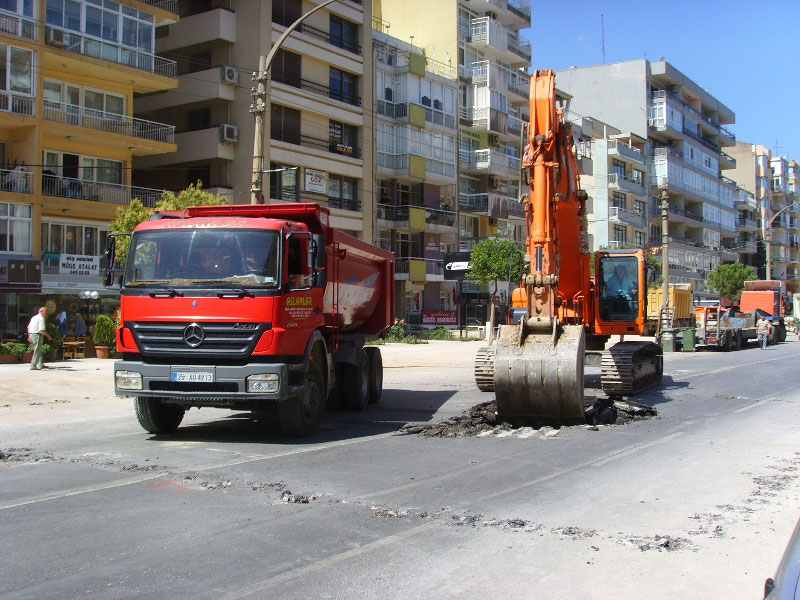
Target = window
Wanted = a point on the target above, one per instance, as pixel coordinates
(283, 183)
(343, 86)
(618, 200)
(344, 34)
(286, 12)
(620, 234)
(20, 7)
(343, 192)
(638, 208)
(287, 68)
(198, 119)
(619, 284)
(285, 124)
(15, 228)
(343, 139)
(16, 70)
(641, 240)
(106, 20)
(618, 168)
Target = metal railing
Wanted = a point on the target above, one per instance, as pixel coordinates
(17, 25)
(521, 8)
(353, 204)
(113, 193)
(521, 48)
(333, 40)
(330, 146)
(116, 53)
(168, 5)
(325, 90)
(17, 104)
(394, 110)
(18, 179)
(108, 122)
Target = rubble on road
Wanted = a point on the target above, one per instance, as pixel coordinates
(481, 420)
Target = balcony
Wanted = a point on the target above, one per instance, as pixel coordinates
(198, 145)
(18, 179)
(112, 193)
(16, 104)
(726, 161)
(113, 52)
(321, 89)
(334, 147)
(744, 201)
(492, 162)
(618, 148)
(519, 84)
(208, 84)
(167, 5)
(108, 122)
(498, 43)
(326, 36)
(515, 126)
(200, 28)
(18, 25)
(743, 224)
(624, 183)
(727, 137)
(418, 269)
(621, 215)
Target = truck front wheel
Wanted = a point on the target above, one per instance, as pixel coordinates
(299, 417)
(156, 417)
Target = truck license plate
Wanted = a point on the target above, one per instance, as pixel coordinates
(193, 376)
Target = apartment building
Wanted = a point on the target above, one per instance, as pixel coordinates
(612, 167)
(70, 71)
(318, 143)
(416, 141)
(481, 38)
(683, 126)
(780, 225)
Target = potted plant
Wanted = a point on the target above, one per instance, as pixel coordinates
(12, 351)
(104, 336)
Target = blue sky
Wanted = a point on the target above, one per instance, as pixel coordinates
(749, 59)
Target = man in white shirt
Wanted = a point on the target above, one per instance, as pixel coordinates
(36, 331)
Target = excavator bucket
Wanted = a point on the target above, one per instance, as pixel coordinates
(540, 380)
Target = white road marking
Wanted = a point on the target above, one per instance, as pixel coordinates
(749, 406)
(635, 449)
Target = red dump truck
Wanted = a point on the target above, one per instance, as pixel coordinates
(250, 307)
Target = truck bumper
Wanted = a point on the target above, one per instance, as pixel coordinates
(228, 385)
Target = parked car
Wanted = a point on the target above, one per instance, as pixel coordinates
(786, 583)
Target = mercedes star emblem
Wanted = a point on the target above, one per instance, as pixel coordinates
(193, 335)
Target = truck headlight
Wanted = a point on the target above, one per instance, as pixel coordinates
(128, 380)
(265, 382)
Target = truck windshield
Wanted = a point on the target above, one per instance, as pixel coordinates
(201, 257)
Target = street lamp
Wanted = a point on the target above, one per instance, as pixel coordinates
(89, 296)
(768, 237)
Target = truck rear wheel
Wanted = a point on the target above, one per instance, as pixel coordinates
(737, 344)
(300, 417)
(156, 417)
(375, 374)
(781, 334)
(355, 382)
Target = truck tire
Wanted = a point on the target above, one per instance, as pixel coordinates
(375, 374)
(156, 417)
(727, 345)
(737, 343)
(355, 382)
(781, 333)
(300, 417)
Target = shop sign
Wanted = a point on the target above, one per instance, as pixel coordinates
(316, 181)
(439, 317)
(456, 265)
(78, 264)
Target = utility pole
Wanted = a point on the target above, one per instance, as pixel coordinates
(259, 106)
(665, 242)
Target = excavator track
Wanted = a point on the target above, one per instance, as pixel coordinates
(484, 369)
(627, 368)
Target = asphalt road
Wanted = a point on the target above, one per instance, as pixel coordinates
(696, 503)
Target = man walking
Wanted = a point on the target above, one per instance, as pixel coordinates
(36, 331)
(762, 329)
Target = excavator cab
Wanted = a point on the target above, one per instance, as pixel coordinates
(620, 292)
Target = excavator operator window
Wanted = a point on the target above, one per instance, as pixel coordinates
(619, 288)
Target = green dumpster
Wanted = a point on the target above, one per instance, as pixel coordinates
(668, 339)
(688, 340)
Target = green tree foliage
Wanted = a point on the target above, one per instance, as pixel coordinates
(494, 260)
(728, 280)
(130, 216)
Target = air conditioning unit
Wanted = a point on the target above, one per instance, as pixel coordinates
(229, 75)
(494, 182)
(228, 133)
(55, 37)
(494, 139)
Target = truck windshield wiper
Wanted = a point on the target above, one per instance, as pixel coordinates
(168, 292)
(231, 291)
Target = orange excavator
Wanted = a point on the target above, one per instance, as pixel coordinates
(562, 311)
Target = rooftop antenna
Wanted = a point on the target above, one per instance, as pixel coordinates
(603, 37)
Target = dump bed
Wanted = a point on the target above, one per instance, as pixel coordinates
(680, 299)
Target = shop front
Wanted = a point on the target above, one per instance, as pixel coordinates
(20, 294)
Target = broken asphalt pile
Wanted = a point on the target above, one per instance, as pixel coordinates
(482, 419)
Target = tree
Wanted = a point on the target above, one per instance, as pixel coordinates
(130, 216)
(494, 260)
(729, 280)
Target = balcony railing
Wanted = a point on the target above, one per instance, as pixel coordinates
(521, 8)
(624, 149)
(333, 40)
(521, 48)
(113, 193)
(745, 223)
(436, 216)
(19, 180)
(324, 90)
(108, 122)
(433, 266)
(393, 110)
(330, 146)
(626, 183)
(168, 5)
(353, 204)
(17, 25)
(392, 161)
(474, 203)
(17, 104)
(76, 42)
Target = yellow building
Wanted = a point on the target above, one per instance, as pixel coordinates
(70, 70)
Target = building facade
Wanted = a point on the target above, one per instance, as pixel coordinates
(318, 143)
(481, 38)
(683, 126)
(71, 70)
